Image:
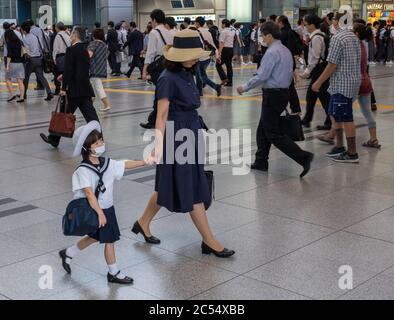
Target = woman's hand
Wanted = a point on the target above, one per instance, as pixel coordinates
(102, 220)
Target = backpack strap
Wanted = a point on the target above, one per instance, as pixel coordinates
(64, 41)
(161, 35)
(100, 186)
(326, 43)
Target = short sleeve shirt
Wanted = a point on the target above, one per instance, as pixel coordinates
(180, 89)
(345, 52)
(86, 178)
(227, 37)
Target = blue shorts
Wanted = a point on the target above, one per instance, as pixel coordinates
(341, 108)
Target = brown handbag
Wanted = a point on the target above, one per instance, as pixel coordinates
(62, 123)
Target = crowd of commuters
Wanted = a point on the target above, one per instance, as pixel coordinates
(335, 60)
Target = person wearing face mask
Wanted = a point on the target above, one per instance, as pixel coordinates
(180, 186)
(275, 76)
(86, 183)
(76, 82)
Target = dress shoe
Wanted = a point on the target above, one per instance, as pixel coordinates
(63, 256)
(11, 99)
(49, 97)
(218, 90)
(307, 165)
(115, 279)
(306, 124)
(147, 125)
(261, 166)
(138, 229)
(325, 127)
(47, 140)
(226, 253)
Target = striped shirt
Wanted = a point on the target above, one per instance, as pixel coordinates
(345, 52)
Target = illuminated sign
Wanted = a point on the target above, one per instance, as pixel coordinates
(240, 10)
(207, 17)
(375, 6)
(389, 7)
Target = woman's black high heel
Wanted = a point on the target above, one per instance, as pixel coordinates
(138, 229)
(226, 253)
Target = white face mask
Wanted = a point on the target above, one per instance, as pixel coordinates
(99, 151)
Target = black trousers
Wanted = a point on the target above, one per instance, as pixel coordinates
(152, 116)
(86, 107)
(35, 65)
(115, 66)
(311, 99)
(268, 131)
(294, 101)
(227, 59)
(136, 63)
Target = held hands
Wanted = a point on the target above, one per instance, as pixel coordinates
(155, 156)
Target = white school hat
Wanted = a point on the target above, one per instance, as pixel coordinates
(82, 133)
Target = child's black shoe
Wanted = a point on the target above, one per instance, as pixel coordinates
(115, 279)
(64, 256)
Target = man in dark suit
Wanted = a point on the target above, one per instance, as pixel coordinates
(76, 83)
(113, 48)
(135, 42)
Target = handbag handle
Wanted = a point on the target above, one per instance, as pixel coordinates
(65, 103)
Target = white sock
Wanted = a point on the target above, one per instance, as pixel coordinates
(72, 252)
(113, 270)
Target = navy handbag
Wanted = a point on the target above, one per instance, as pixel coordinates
(80, 219)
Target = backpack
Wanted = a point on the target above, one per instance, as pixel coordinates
(247, 39)
(157, 66)
(215, 36)
(321, 65)
(295, 43)
(387, 35)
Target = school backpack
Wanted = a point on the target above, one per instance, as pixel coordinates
(215, 35)
(321, 65)
(295, 43)
(387, 35)
(247, 39)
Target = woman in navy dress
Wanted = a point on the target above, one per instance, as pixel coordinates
(181, 184)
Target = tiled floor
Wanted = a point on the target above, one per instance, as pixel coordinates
(291, 236)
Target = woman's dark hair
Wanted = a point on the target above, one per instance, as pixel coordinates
(232, 21)
(170, 21)
(237, 25)
(133, 25)
(271, 28)
(273, 17)
(98, 34)
(299, 22)
(158, 15)
(148, 28)
(376, 23)
(187, 20)
(313, 19)
(200, 20)
(182, 26)
(262, 20)
(330, 16)
(176, 66)
(361, 30)
(359, 20)
(226, 23)
(10, 36)
(369, 34)
(325, 28)
(26, 27)
(97, 25)
(284, 20)
(92, 138)
(110, 24)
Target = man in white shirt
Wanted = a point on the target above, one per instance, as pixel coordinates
(60, 44)
(226, 53)
(158, 38)
(208, 43)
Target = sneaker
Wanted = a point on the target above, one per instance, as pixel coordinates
(389, 63)
(347, 158)
(336, 151)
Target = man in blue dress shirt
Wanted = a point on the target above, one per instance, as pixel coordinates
(274, 76)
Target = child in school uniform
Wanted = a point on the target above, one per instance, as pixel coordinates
(89, 143)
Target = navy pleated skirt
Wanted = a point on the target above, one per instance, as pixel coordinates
(181, 185)
(110, 233)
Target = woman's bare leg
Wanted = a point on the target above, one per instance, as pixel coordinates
(150, 212)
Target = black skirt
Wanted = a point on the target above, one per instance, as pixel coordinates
(110, 233)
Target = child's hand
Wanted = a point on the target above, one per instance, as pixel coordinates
(102, 220)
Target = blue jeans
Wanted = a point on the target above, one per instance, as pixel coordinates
(202, 76)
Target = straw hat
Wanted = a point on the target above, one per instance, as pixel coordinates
(82, 133)
(187, 46)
